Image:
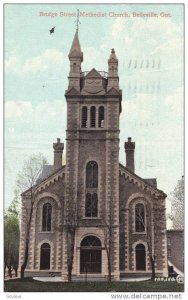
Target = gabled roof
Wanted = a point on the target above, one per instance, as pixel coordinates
(113, 92)
(72, 91)
(93, 74)
(143, 183)
(47, 181)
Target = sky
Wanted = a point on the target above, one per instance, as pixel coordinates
(151, 72)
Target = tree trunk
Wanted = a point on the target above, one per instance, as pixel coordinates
(10, 271)
(23, 266)
(109, 265)
(16, 272)
(109, 271)
(152, 267)
(4, 271)
(71, 254)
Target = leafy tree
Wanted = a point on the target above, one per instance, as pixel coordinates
(11, 236)
(26, 181)
(177, 208)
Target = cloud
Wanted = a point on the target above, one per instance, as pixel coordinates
(14, 109)
(48, 59)
(174, 102)
(42, 62)
(43, 112)
(148, 37)
(11, 64)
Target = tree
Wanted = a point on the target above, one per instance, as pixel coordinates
(157, 225)
(109, 228)
(11, 236)
(71, 224)
(26, 181)
(177, 207)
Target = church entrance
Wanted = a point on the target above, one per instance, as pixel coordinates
(45, 257)
(90, 255)
(140, 257)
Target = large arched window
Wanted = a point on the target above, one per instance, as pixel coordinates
(92, 174)
(139, 217)
(140, 257)
(93, 116)
(91, 205)
(46, 217)
(84, 116)
(90, 255)
(101, 117)
(45, 257)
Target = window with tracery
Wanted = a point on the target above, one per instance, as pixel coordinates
(139, 217)
(93, 116)
(101, 117)
(92, 174)
(91, 205)
(84, 117)
(46, 217)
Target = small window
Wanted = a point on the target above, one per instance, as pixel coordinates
(74, 67)
(139, 218)
(101, 117)
(169, 253)
(46, 217)
(93, 116)
(84, 117)
(91, 205)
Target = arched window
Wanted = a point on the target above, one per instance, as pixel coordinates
(84, 116)
(91, 205)
(139, 218)
(92, 174)
(46, 217)
(90, 241)
(93, 116)
(140, 257)
(45, 257)
(90, 255)
(101, 116)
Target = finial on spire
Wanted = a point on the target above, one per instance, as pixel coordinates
(77, 21)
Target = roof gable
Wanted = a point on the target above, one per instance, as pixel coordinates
(112, 92)
(140, 182)
(72, 91)
(51, 179)
(93, 74)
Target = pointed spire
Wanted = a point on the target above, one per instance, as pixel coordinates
(75, 51)
(113, 56)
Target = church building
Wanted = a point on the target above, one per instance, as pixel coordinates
(93, 211)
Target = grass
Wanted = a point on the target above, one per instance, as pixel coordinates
(30, 285)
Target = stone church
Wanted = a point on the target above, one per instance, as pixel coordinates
(117, 216)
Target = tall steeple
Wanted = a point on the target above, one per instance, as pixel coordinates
(113, 79)
(75, 51)
(76, 58)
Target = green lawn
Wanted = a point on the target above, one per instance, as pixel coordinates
(30, 285)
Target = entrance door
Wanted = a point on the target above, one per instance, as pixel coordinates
(90, 255)
(45, 257)
(140, 257)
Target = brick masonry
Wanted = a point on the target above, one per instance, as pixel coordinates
(119, 188)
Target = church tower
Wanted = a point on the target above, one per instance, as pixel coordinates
(92, 167)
